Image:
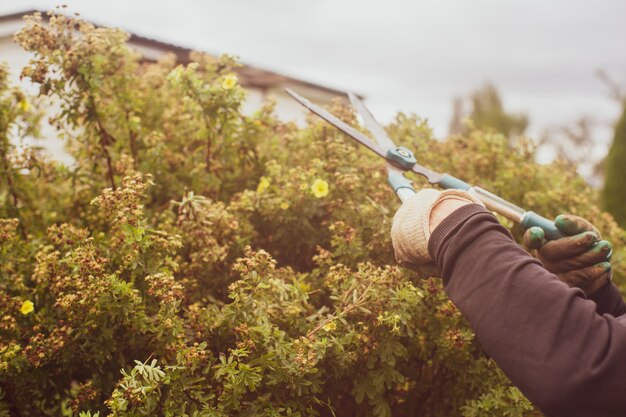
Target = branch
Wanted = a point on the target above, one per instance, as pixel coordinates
(133, 143)
(105, 140)
(360, 301)
(11, 186)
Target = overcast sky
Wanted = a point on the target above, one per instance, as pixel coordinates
(403, 55)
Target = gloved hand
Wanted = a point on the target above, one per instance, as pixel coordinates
(417, 218)
(580, 259)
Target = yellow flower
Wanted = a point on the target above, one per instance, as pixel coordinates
(284, 205)
(24, 105)
(263, 185)
(27, 307)
(319, 188)
(329, 327)
(229, 81)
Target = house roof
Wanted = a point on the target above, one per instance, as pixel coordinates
(249, 76)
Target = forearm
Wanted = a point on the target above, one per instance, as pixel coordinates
(609, 301)
(544, 335)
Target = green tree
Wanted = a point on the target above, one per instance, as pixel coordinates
(487, 112)
(614, 191)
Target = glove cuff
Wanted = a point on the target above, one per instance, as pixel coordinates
(411, 226)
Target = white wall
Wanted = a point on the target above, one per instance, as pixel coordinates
(13, 55)
(17, 58)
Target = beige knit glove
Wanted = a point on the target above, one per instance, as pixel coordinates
(411, 225)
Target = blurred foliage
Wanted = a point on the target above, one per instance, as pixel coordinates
(577, 141)
(196, 261)
(574, 143)
(614, 191)
(487, 113)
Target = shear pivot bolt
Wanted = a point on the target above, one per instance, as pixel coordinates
(401, 157)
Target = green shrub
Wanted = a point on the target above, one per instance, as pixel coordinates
(614, 191)
(186, 265)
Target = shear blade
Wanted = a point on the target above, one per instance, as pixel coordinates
(339, 124)
(381, 136)
(371, 123)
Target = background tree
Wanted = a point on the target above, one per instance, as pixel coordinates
(577, 144)
(614, 191)
(580, 142)
(487, 112)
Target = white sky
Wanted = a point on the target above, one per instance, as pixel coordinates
(403, 55)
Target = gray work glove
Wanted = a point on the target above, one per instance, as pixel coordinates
(580, 259)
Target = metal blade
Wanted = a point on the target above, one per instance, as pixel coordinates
(375, 129)
(432, 176)
(371, 123)
(383, 138)
(333, 120)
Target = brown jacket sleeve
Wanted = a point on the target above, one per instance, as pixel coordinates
(609, 300)
(548, 338)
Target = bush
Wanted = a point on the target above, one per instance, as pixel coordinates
(198, 251)
(614, 191)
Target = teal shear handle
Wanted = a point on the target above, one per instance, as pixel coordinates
(400, 184)
(526, 219)
(531, 219)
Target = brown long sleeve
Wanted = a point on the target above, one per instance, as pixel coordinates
(548, 338)
(609, 301)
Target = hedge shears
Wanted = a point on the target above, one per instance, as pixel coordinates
(400, 159)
